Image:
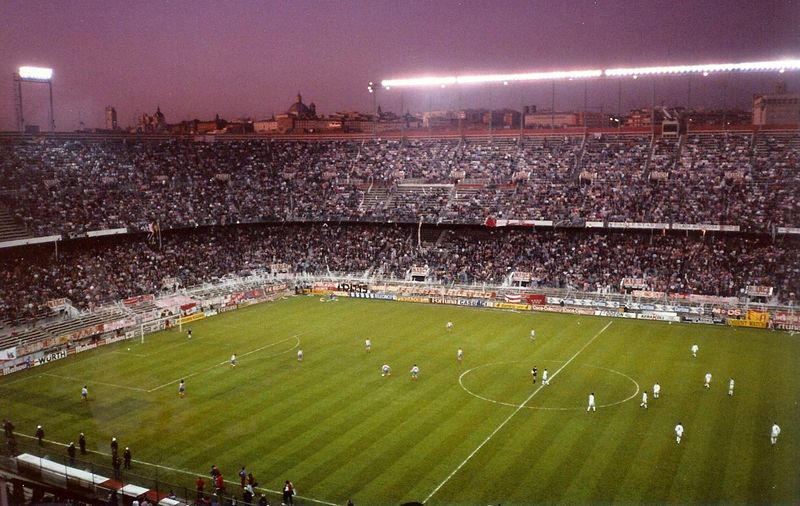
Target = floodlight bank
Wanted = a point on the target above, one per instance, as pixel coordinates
(761, 66)
(41, 73)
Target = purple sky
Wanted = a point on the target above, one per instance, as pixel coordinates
(249, 58)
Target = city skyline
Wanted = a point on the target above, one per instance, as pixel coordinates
(249, 59)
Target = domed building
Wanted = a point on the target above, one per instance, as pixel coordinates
(298, 113)
(300, 110)
(155, 123)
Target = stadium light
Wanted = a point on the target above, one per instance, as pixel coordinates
(491, 78)
(27, 74)
(418, 81)
(530, 76)
(760, 66)
(36, 73)
(635, 72)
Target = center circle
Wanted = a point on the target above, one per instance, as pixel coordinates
(536, 391)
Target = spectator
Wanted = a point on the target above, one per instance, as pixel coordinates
(126, 456)
(200, 486)
(71, 452)
(82, 443)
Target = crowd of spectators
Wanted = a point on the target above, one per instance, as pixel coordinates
(91, 272)
(778, 162)
(70, 187)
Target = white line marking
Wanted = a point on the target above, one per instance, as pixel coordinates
(519, 408)
(182, 471)
(92, 382)
(135, 389)
(175, 382)
(129, 353)
(544, 408)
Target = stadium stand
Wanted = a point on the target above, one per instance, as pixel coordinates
(71, 186)
(74, 186)
(223, 218)
(91, 272)
(9, 230)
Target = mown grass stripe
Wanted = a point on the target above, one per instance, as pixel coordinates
(522, 405)
(335, 428)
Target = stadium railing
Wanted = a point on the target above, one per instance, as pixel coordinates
(91, 477)
(88, 476)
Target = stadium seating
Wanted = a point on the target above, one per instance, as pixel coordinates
(69, 187)
(93, 272)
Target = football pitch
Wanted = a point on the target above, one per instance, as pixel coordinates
(476, 431)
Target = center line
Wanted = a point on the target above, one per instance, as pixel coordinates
(519, 408)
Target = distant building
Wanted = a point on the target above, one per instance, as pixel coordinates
(471, 116)
(545, 119)
(715, 117)
(595, 119)
(443, 119)
(511, 118)
(494, 117)
(196, 126)
(644, 117)
(302, 118)
(320, 125)
(215, 125)
(111, 118)
(572, 119)
(184, 127)
(502, 118)
(265, 126)
(153, 124)
(382, 122)
(298, 111)
(777, 108)
(239, 126)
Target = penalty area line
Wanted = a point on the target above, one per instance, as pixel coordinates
(512, 415)
(174, 382)
(167, 468)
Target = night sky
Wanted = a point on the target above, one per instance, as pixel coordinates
(250, 58)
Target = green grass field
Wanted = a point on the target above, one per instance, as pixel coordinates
(476, 432)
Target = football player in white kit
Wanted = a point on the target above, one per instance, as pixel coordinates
(774, 433)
